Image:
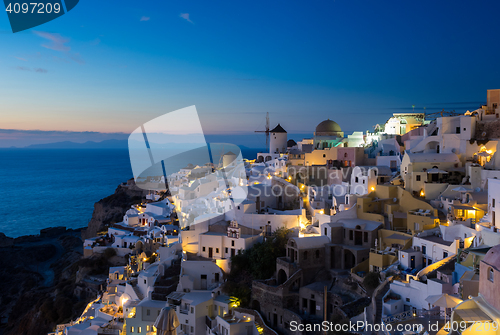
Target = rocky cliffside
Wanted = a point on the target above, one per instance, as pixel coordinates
(39, 272)
(36, 270)
(112, 208)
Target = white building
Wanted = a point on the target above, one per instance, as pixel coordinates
(219, 245)
(141, 318)
(199, 275)
(278, 139)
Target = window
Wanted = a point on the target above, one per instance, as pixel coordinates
(493, 203)
(139, 330)
(217, 277)
(324, 155)
(365, 237)
(132, 329)
(232, 243)
(407, 299)
(145, 281)
(216, 250)
(351, 234)
(192, 310)
(457, 130)
(418, 177)
(148, 312)
(445, 254)
(491, 275)
(192, 329)
(424, 248)
(227, 250)
(148, 328)
(203, 249)
(326, 231)
(356, 180)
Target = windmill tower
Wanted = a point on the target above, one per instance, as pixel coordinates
(266, 131)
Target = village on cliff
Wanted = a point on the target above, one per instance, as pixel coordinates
(394, 229)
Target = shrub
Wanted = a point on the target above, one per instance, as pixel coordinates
(371, 280)
(109, 252)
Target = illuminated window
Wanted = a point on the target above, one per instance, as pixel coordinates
(139, 330)
(132, 329)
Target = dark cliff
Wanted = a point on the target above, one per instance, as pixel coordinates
(39, 273)
(112, 208)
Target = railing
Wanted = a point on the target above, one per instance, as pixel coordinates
(109, 331)
(184, 311)
(413, 314)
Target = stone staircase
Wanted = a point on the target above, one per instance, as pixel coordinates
(379, 303)
(166, 284)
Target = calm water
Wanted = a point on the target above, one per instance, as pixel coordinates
(58, 187)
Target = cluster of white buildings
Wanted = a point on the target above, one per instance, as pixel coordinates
(414, 200)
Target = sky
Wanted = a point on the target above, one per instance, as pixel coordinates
(110, 66)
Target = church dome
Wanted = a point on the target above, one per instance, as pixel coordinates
(328, 127)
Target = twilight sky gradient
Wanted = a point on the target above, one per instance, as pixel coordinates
(109, 66)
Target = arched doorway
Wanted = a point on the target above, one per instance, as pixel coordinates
(349, 259)
(256, 305)
(282, 277)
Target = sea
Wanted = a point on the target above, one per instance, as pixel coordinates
(43, 188)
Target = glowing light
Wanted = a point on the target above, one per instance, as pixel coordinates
(144, 259)
(124, 300)
(321, 212)
(373, 188)
(422, 193)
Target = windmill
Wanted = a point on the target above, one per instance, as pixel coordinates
(266, 131)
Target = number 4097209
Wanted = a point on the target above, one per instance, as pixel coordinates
(33, 7)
